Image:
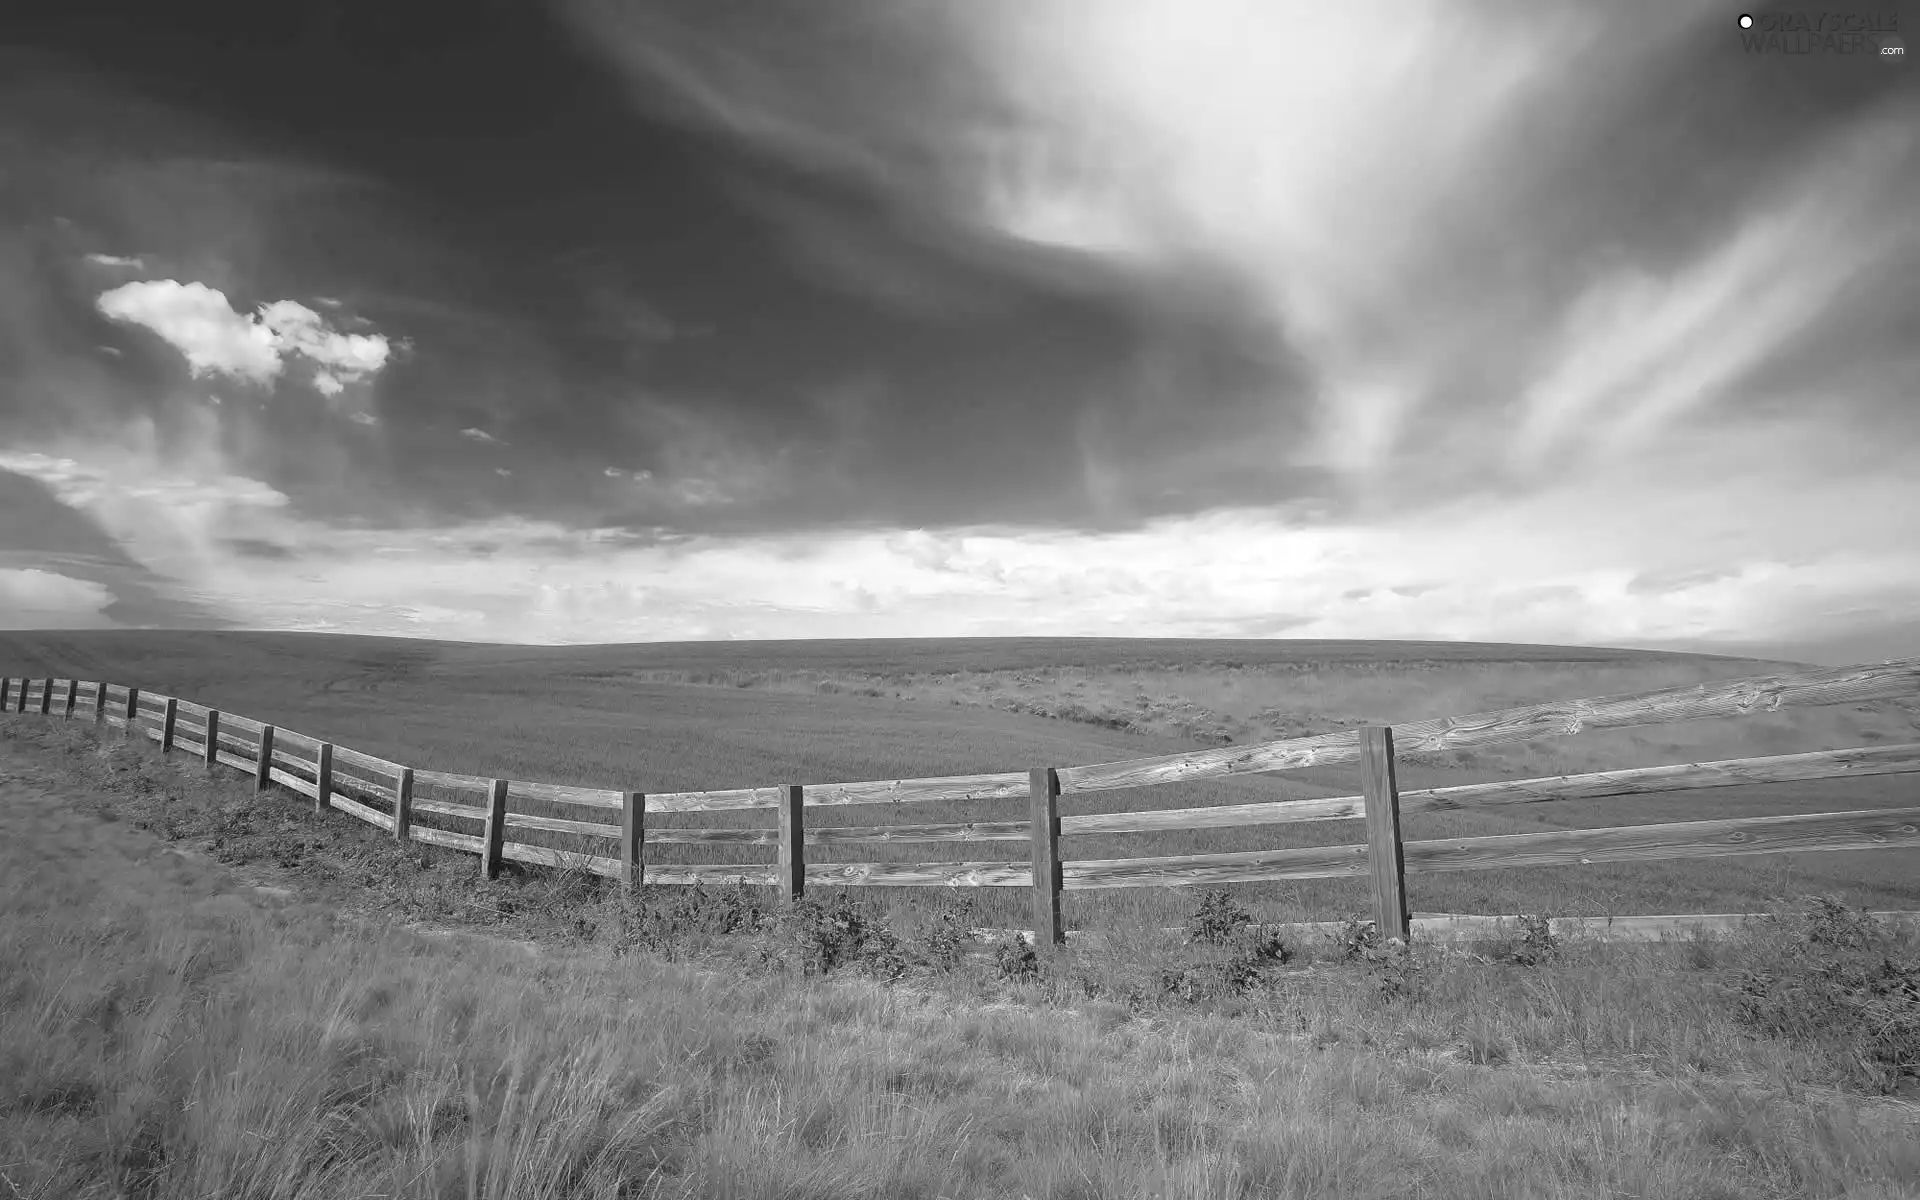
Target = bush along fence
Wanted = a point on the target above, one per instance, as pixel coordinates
(355, 783)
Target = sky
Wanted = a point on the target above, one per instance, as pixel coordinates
(596, 321)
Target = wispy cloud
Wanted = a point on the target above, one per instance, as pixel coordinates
(479, 435)
(114, 260)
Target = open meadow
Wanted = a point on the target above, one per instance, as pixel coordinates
(214, 992)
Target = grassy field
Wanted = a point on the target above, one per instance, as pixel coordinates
(207, 993)
(685, 717)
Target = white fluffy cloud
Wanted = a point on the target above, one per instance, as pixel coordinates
(198, 321)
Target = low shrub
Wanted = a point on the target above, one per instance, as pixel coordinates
(1816, 973)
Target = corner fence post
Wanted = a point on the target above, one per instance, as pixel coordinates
(1386, 854)
(323, 778)
(403, 804)
(73, 696)
(213, 735)
(793, 837)
(633, 839)
(263, 764)
(496, 831)
(167, 719)
(1043, 792)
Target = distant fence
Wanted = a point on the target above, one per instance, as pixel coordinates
(353, 782)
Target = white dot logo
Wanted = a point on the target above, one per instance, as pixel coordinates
(1746, 21)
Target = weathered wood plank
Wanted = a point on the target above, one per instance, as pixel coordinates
(189, 708)
(440, 808)
(1003, 785)
(343, 756)
(953, 874)
(494, 834)
(1641, 781)
(1043, 830)
(294, 735)
(288, 779)
(354, 783)
(633, 839)
(1385, 860)
(1782, 768)
(710, 873)
(192, 745)
(263, 759)
(452, 841)
(1247, 866)
(1869, 829)
(354, 808)
(237, 761)
(657, 836)
(564, 860)
(447, 779)
(964, 831)
(323, 776)
(1221, 816)
(240, 724)
(1731, 698)
(403, 804)
(1006, 831)
(294, 762)
(561, 825)
(560, 793)
(727, 800)
(791, 864)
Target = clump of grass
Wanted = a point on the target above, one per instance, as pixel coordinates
(1016, 961)
(1822, 975)
(819, 935)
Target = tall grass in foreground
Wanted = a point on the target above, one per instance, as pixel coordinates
(162, 1037)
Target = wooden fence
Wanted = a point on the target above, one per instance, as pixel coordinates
(354, 783)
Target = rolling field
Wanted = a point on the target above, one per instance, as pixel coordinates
(205, 992)
(687, 717)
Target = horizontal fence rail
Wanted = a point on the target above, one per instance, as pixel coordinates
(389, 796)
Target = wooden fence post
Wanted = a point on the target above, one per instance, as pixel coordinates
(633, 839)
(263, 765)
(46, 698)
(21, 704)
(323, 778)
(1043, 791)
(793, 844)
(403, 804)
(99, 701)
(133, 709)
(1386, 854)
(166, 723)
(6, 691)
(73, 696)
(496, 831)
(213, 735)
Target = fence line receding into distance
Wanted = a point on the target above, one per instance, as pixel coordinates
(381, 792)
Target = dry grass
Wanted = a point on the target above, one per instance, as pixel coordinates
(168, 1032)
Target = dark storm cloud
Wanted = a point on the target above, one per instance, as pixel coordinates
(811, 280)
